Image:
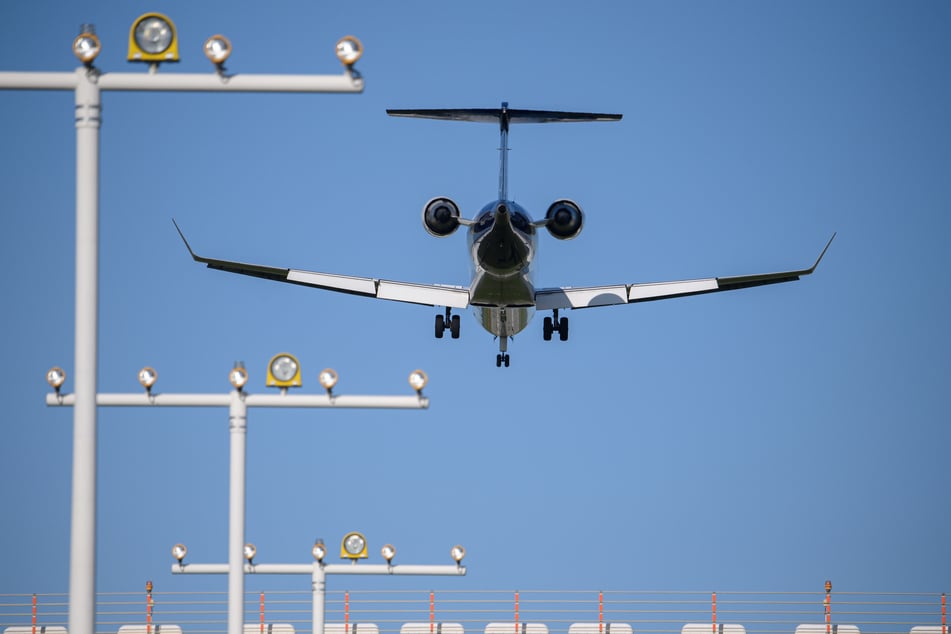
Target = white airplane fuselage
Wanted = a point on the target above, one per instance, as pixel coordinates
(502, 243)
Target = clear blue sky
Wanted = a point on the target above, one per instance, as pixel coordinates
(764, 439)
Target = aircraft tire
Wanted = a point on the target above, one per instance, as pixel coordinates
(563, 329)
(440, 326)
(454, 327)
(547, 329)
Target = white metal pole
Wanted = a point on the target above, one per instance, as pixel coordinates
(318, 588)
(238, 426)
(82, 548)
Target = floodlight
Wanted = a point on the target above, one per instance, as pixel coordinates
(388, 551)
(349, 50)
(319, 551)
(457, 553)
(217, 49)
(147, 377)
(249, 552)
(418, 380)
(86, 46)
(179, 551)
(56, 377)
(238, 375)
(353, 547)
(283, 370)
(328, 379)
(153, 38)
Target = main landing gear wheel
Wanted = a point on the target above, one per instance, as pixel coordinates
(501, 359)
(554, 324)
(446, 322)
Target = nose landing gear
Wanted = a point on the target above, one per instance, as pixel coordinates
(502, 358)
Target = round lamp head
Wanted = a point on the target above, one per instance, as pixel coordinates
(147, 377)
(388, 551)
(238, 376)
(56, 377)
(319, 551)
(86, 47)
(153, 34)
(249, 552)
(353, 546)
(349, 50)
(217, 49)
(283, 371)
(179, 551)
(328, 378)
(457, 553)
(153, 38)
(418, 380)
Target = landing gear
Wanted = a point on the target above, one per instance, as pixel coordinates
(502, 358)
(448, 322)
(554, 324)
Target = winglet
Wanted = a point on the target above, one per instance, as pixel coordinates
(187, 246)
(819, 259)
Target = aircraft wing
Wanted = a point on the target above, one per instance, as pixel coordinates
(425, 294)
(591, 296)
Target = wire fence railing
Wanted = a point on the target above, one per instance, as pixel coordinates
(494, 612)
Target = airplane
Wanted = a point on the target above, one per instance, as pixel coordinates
(502, 246)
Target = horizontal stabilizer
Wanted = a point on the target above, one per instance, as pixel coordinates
(503, 115)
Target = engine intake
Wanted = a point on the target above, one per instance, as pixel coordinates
(564, 219)
(441, 217)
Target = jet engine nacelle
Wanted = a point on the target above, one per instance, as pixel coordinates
(441, 217)
(564, 219)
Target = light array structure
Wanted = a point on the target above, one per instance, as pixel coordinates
(238, 402)
(153, 38)
(352, 547)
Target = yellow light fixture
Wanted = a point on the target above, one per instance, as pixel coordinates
(353, 546)
(283, 370)
(153, 38)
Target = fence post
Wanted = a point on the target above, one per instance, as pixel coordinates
(600, 611)
(516, 612)
(148, 607)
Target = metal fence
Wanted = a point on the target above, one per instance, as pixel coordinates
(495, 612)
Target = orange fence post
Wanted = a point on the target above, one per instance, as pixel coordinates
(600, 611)
(346, 612)
(34, 614)
(516, 612)
(262, 613)
(432, 612)
(148, 607)
(944, 613)
(713, 626)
